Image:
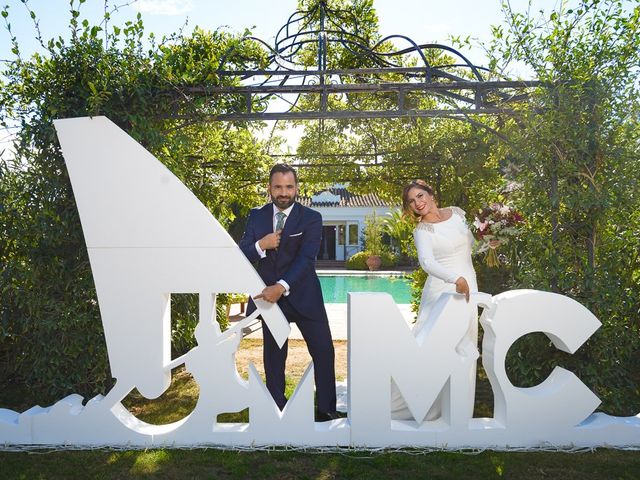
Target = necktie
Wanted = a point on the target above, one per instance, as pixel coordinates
(280, 216)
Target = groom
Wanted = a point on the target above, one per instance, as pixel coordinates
(283, 237)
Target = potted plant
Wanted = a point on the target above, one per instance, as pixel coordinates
(373, 240)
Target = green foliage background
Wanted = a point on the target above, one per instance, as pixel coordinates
(50, 330)
(568, 160)
(575, 163)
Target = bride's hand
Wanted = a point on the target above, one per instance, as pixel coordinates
(462, 287)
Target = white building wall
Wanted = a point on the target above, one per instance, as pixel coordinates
(346, 216)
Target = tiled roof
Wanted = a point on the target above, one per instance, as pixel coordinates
(340, 197)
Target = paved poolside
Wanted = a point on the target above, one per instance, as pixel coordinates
(337, 313)
(363, 273)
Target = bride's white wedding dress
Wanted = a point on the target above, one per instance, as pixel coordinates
(444, 252)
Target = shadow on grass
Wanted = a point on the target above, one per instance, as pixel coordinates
(203, 463)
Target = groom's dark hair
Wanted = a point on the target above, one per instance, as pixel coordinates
(283, 168)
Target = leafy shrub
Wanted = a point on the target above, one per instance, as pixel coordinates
(418, 277)
(184, 309)
(373, 230)
(51, 336)
(388, 259)
(358, 260)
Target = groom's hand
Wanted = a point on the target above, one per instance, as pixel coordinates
(272, 293)
(270, 241)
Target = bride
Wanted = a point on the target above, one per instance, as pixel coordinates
(443, 242)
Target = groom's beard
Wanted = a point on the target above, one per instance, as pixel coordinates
(283, 202)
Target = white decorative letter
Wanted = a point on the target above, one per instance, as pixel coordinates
(562, 401)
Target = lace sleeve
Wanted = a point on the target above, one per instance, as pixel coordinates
(460, 212)
(428, 262)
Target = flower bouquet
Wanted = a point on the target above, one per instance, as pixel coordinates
(493, 226)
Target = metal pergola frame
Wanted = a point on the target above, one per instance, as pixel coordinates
(459, 87)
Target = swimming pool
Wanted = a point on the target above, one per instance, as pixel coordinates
(336, 287)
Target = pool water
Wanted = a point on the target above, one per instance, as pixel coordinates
(335, 288)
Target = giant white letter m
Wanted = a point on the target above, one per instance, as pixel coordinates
(440, 358)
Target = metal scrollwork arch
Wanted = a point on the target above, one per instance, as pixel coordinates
(460, 87)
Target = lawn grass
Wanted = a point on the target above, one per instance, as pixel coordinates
(180, 399)
(209, 463)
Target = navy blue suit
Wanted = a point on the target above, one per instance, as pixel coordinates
(294, 262)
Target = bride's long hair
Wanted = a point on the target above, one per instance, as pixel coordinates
(407, 212)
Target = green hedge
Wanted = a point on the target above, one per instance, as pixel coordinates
(51, 335)
(358, 261)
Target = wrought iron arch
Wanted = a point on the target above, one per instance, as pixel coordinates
(460, 86)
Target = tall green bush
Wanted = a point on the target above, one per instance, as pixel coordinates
(571, 162)
(51, 336)
(574, 155)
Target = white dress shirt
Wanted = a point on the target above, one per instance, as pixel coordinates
(263, 254)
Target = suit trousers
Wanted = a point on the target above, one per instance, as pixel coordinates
(317, 336)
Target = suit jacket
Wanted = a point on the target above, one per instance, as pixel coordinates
(293, 261)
